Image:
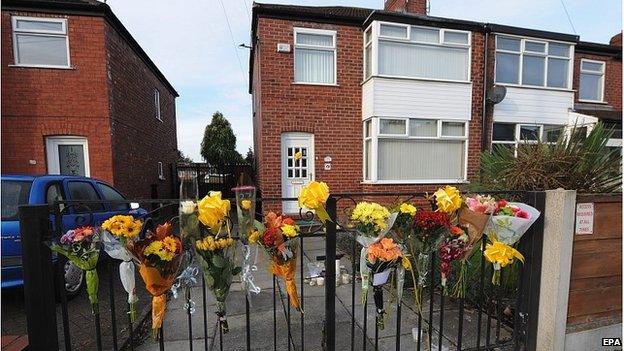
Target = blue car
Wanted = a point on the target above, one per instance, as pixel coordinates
(46, 189)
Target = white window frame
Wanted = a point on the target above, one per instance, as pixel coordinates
(595, 73)
(43, 33)
(375, 136)
(545, 54)
(517, 141)
(376, 37)
(332, 33)
(161, 173)
(157, 104)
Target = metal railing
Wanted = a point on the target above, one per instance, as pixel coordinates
(38, 229)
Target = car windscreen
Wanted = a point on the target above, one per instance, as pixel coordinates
(14, 194)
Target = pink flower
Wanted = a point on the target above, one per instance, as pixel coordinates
(522, 214)
(501, 203)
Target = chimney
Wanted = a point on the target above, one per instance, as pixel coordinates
(616, 39)
(410, 6)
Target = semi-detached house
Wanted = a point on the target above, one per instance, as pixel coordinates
(395, 100)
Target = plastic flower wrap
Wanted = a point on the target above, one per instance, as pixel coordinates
(381, 258)
(372, 222)
(430, 228)
(507, 225)
(117, 231)
(314, 196)
(217, 251)
(81, 246)
(246, 213)
(279, 239)
(403, 224)
(159, 255)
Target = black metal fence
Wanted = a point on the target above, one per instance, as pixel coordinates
(40, 224)
(210, 178)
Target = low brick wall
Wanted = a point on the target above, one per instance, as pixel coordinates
(596, 279)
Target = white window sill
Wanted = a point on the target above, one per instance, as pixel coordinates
(510, 85)
(593, 102)
(43, 66)
(415, 182)
(316, 84)
(383, 76)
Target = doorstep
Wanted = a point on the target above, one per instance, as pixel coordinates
(14, 342)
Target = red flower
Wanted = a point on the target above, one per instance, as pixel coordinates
(457, 231)
(430, 220)
(270, 236)
(501, 203)
(522, 214)
(288, 220)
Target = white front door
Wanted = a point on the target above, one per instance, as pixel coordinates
(297, 166)
(67, 155)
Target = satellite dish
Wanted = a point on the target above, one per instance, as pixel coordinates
(496, 94)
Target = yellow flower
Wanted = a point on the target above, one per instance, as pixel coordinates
(210, 244)
(289, 230)
(313, 195)
(170, 244)
(213, 210)
(366, 213)
(501, 254)
(254, 236)
(407, 264)
(407, 208)
(246, 204)
(123, 225)
(448, 199)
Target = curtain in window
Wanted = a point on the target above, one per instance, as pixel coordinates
(423, 61)
(314, 66)
(420, 159)
(41, 50)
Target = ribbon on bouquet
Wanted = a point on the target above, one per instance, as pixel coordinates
(366, 241)
(249, 266)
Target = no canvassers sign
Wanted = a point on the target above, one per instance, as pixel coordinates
(585, 218)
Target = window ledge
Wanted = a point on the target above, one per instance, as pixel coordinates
(415, 182)
(316, 84)
(593, 102)
(43, 66)
(535, 87)
(383, 76)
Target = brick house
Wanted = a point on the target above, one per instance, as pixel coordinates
(80, 96)
(395, 100)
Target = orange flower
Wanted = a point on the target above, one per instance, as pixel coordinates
(386, 250)
(457, 231)
(272, 220)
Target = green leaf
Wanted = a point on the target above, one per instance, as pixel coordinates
(209, 280)
(236, 270)
(259, 226)
(218, 261)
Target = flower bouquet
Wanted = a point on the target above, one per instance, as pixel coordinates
(430, 228)
(217, 250)
(476, 215)
(158, 255)
(402, 227)
(246, 213)
(451, 249)
(509, 222)
(117, 231)
(81, 246)
(381, 258)
(278, 238)
(372, 221)
(314, 196)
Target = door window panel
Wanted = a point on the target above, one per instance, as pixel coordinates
(71, 159)
(297, 162)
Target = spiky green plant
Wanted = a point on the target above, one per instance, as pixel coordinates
(575, 161)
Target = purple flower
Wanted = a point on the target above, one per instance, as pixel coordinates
(68, 237)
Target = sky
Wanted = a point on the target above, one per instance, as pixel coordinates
(191, 43)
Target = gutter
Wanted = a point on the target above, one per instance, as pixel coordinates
(485, 115)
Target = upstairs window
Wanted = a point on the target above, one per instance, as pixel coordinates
(315, 56)
(423, 52)
(532, 62)
(591, 85)
(157, 104)
(40, 42)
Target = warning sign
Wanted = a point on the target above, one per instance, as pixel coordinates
(584, 218)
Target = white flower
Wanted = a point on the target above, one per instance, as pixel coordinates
(187, 207)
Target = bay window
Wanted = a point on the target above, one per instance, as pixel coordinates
(591, 84)
(531, 62)
(315, 56)
(411, 150)
(398, 50)
(40, 42)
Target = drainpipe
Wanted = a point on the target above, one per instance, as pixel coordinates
(485, 126)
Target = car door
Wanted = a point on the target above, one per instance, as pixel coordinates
(107, 192)
(81, 214)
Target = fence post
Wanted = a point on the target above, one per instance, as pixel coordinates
(38, 278)
(330, 276)
(527, 305)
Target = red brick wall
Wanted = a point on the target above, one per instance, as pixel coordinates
(332, 113)
(139, 139)
(411, 6)
(613, 78)
(40, 102)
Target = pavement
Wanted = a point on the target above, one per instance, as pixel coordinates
(176, 328)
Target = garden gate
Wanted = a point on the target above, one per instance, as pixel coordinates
(516, 312)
